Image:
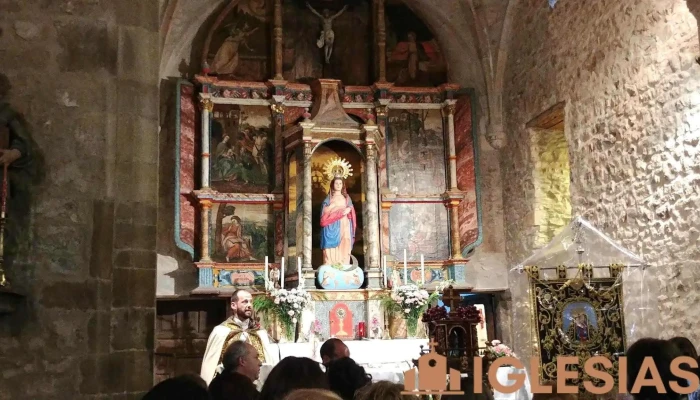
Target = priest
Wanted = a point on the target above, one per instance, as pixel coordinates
(239, 326)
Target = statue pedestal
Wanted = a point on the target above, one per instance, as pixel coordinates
(9, 300)
(346, 277)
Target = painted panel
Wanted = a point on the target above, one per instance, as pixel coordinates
(242, 149)
(186, 148)
(243, 233)
(414, 57)
(420, 229)
(466, 172)
(416, 152)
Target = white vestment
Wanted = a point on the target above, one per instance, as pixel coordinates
(215, 347)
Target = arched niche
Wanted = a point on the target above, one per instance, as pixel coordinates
(239, 43)
(321, 154)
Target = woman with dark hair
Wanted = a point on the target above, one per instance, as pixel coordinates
(293, 373)
(662, 352)
(345, 377)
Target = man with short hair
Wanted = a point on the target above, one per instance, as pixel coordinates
(242, 358)
(241, 368)
(239, 327)
(333, 349)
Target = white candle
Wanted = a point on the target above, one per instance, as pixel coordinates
(266, 274)
(282, 274)
(405, 268)
(299, 270)
(422, 270)
(384, 271)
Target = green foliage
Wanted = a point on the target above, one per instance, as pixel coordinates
(266, 306)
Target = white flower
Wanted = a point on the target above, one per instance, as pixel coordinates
(277, 300)
(296, 305)
(291, 313)
(407, 311)
(495, 342)
(294, 320)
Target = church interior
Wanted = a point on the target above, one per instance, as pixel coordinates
(462, 179)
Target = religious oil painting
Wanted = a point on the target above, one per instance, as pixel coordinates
(337, 220)
(416, 152)
(243, 233)
(577, 318)
(240, 44)
(413, 55)
(419, 229)
(232, 278)
(242, 149)
(327, 39)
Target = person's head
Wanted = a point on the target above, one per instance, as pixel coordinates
(686, 347)
(293, 373)
(232, 386)
(333, 349)
(662, 352)
(345, 377)
(383, 390)
(554, 395)
(242, 304)
(312, 394)
(326, 12)
(243, 358)
(184, 387)
(338, 185)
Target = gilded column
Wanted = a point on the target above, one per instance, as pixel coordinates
(277, 34)
(306, 251)
(381, 40)
(449, 111)
(372, 208)
(455, 239)
(278, 118)
(206, 210)
(207, 108)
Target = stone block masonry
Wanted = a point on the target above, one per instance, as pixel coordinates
(628, 75)
(86, 330)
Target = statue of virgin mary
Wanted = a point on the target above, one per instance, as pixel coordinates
(338, 217)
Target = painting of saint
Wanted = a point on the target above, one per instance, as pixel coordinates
(413, 54)
(580, 324)
(338, 224)
(242, 156)
(241, 233)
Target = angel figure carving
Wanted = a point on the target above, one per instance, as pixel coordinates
(327, 37)
(226, 58)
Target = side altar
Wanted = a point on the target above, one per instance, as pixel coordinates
(318, 156)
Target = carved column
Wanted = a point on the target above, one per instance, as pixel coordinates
(277, 34)
(381, 40)
(278, 118)
(455, 238)
(207, 108)
(449, 111)
(306, 250)
(372, 208)
(206, 210)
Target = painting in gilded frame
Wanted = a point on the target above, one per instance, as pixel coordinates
(242, 149)
(243, 233)
(576, 319)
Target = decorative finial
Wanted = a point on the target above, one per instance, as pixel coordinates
(306, 114)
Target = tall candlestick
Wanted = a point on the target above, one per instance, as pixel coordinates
(299, 270)
(282, 274)
(384, 271)
(422, 270)
(267, 286)
(405, 268)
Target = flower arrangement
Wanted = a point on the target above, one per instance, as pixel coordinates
(286, 305)
(495, 349)
(410, 301)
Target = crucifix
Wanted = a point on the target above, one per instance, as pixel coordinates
(449, 295)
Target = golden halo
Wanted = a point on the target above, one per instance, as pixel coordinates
(337, 168)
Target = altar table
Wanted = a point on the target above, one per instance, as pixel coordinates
(385, 360)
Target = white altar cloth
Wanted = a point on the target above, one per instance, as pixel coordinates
(383, 359)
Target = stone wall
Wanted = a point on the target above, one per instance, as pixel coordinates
(85, 76)
(551, 179)
(627, 73)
